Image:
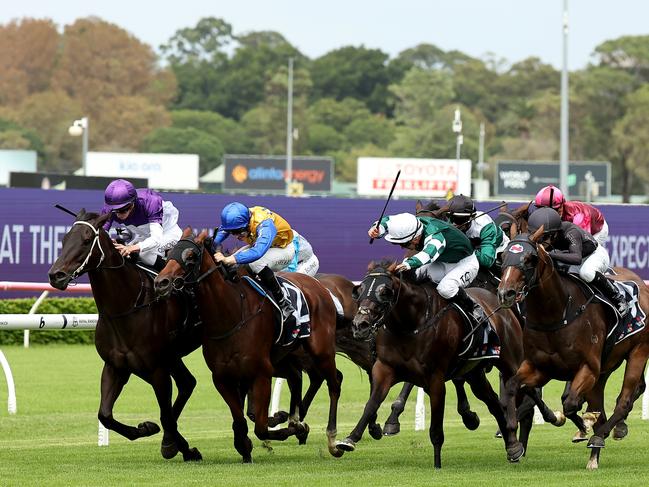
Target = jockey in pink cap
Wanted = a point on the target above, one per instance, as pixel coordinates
(583, 215)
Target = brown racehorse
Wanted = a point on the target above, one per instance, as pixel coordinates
(565, 337)
(135, 334)
(419, 338)
(239, 334)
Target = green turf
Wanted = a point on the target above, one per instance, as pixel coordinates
(53, 438)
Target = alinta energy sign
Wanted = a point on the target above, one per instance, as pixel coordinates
(266, 174)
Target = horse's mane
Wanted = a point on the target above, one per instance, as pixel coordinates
(85, 216)
(386, 263)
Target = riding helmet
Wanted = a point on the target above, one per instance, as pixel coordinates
(460, 209)
(549, 196)
(234, 216)
(546, 217)
(402, 228)
(119, 194)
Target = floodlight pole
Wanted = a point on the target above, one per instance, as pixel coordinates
(563, 163)
(289, 129)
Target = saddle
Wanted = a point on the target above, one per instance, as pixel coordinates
(299, 325)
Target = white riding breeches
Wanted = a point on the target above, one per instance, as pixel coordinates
(283, 259)
(598, 261)
(602, 235)
(450, 276)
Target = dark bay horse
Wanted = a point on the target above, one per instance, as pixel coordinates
(565, 337)
(135, 334)
(419, 338)
(239, 334)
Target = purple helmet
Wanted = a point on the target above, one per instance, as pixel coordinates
(119, 193)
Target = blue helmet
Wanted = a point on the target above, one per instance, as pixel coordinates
(234, 216)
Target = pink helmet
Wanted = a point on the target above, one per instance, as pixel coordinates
(543, 197)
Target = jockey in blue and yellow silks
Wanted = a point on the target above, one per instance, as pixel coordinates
(272, 245)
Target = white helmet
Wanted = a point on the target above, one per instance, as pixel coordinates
(403, 228)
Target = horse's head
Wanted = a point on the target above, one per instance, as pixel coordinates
(513, 222)
(376, 295)
(522, 261)
(431, 209)
(183, 264)
(81, 250)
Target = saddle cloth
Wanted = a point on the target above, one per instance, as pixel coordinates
(632, 322)
(299, 325)
(484, 342)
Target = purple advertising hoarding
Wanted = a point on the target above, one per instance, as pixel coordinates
(31, 229)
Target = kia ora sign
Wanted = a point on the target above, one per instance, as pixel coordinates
(267, 174)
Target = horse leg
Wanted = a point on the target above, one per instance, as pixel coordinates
(583, 381)
(231, 393)
(621, 429)
(469, 418)
(383, 378)
(172, 440)
(185, 382)
(632, 379)
(112, 384)
(315, 382)
(482, 390)
(437, 397)
(373, 427)
(392, 426)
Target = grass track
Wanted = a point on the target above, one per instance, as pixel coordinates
(52, 440)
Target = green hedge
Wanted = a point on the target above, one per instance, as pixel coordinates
(48, 306)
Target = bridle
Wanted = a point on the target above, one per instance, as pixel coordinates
(371, 292)
(179, 254)
(95, 241)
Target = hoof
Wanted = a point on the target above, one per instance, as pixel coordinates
(192, 455)
(620, 431)
(471, 420)
(391, 429)
(498, 434)
(375, 431)
(596, 442)
(515, 452)
(580, 436)
(169, 450)
(561, 418)
(148, 428)
(278, 418)
(303, 433)
(247, 459)
(336, 453)
(346, 445)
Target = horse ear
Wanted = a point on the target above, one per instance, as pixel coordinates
(503, 208)
(201, 237)
(356, 292)
(187, 232)
(513, 230)
(537, 235)
(419, 206)
(101, 220)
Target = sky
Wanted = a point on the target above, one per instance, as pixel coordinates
(509, 29)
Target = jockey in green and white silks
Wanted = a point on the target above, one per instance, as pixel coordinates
(444, 254)
(487, 238)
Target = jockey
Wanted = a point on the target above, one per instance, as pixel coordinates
(151, 221)
(445, 255)
(581, 214)
(574, 246)
(487, 237)
(272, 245)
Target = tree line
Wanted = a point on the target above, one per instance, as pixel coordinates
(210, 91)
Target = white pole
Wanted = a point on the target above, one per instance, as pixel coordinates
(481, 152)
(289, 129)
(84, 141)
(11, 387)
(31, 311)
(645, 398)
(563, 163)
(420, 410)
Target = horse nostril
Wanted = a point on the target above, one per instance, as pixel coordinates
(57, 276)
(163, 283)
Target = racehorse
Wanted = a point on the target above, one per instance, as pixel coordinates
(135, 334)
(419, 338)
(239, 334)
(565, 337)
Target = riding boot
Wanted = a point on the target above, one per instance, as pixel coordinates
(269, 280)
(469, 306)
(611, 292)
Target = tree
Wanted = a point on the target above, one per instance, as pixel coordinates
(229, 132)
(373, 130)
(186, 141)
(336, 114)
(204, 42)
(631, 139)
(627, 53)
(28, 55)
(324, 139)
(355, 72)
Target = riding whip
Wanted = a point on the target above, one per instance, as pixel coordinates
(63, 208)
(378, 222)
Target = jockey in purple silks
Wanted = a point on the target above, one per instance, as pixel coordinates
(151, 221)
